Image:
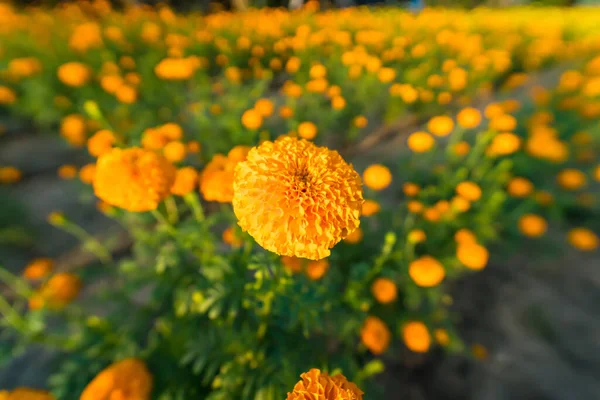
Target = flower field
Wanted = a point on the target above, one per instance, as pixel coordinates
(266, 257)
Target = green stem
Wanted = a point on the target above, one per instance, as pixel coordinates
(172, 211)
(193, 202)
(90, 243)
(163, 221)
(16, 283)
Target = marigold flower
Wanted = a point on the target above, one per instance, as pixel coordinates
(355, 237)
(185, 181)
(416, 336)
(464, 235)
(370, 207)
(307, 130)
(360, 121)
(133, 179)
(571, 179)
(297, 199)
(319, 385)
(415, 206)
(126, 94)
(384, 290)
(7, 95)
(25, 394)
(377, 177)
(216, 181)
(472, 255)
(461, 148)
(503, 122)
(38, 269)
(460, 204)
(264, 107)
(10, 175)
(411, 189)
(503, 144)
(416, 236)
(469, 190)
(74, 74)
(126, 379)
(426, 271)
(441, 125)
(286, 112)
(420, 142)
(229, 236)
(375, 335)
(60, 290)
(67, 171)
(72, 128)
(469, 118)
(175, 69)
(294, 264)
(87, 173)
(101, 142)
(532, 225)
(519, 187)
(441, 336)
(174, 151)
(583, 239)
(316, 269)
(252, 119)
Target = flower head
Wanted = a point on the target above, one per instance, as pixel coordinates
(532, 225)
(384, 290)
(416, 336)
(319, 385)
(126, 379)
(377, 177)
(375, 335)
(216, 181)
(133, 179)
(38, 268)
(25, 394)
(426, 271)
(297, 199)
(185, 181)
(583, 239)
(59, 291)
(74, 74)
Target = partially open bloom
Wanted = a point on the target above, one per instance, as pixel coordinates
(230, 237)
(297, 199)
(133, 179)
(583, 239)
(74, 74)
(375, 335)
(441, 125)
(532, 225)
(571, 179)
(469, 117)
(59, 291)
(317, 385)
(38, 268)
(420, 142)
(426, 271)
(472, 255)
(384, 290)
(416, 336)
(377, 177)
(216, 181)
(126, 379)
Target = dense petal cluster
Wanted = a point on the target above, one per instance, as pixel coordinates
(216, 181)
(133, 179)
(319, 385)
(297, 199)
(128, 379)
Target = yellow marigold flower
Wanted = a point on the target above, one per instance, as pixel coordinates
(377, 177)
(338, 103)
(503, 144)
(297, 199)
(355, 237)
(133, 179)
(416, 336)
(360, 121)
(519, 187)
(469, 118)
(319, 385)
(386, 75)
(60, 290)
(370, 207)
(415, 206)
(460, 204)
(87, 173)
(10, 175)
(72, 128)
(67, 171)
(316, 269)
(461, 148)
(126, 94)
(420, 142)
(252, 119)
(307, 130)
(411, 189)
(317, 71)
(503, 122)
(465, 236)
(571, 179)
(441, 336)
(193, 146)
(74, 74)
(38, 269)
(126, 379)
(294, 264)
(532, 225)
(216, 181)
(229, 236)
(472, 255)
(154, 139)
(175, 69)
(25, 394)
(174, 151)
(7, 95)
(101, 142)
(286, 112)
(441, 125)
(264, 107)
(583, 239)
(375, 335)
(185, 181)
(384, 290)
(469, 190)
(493, 110)
(416, 236)
(426, 271)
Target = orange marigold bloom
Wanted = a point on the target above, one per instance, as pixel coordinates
(74, 74)
(472, 255)
(370, 207)
(67, 171)
(469, 190)
(377, 177)
(317, 385)
(375, 335)
(216, 181)
(465, 236)
(426, 271)
(101, 142)
(307, 130)
(185, 181)
(316, 269)
(583, 239)
(532, 225)
(294, 264)
(503, 122)
(441, 125)
(229, 236)
(384, 290)
(416, 236)
(297, 199)
(126, 379)
(59, 291)
(571, 179)
(38, 268)
(252, 119)
(133, 179)
(416, 336)
(519, 187)
(174, 151)
(25, 394)
(72, 128)
(411, 189)
(7, 95)
(420, 142)
(264, 107)
(469, 118)
(87, 173)
(503, 144)
(10, 175)
(354, 237)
